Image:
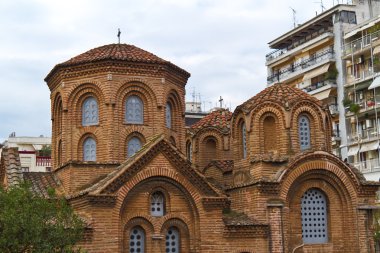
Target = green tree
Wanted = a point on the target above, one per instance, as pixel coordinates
(30, 223)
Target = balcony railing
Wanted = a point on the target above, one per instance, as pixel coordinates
(298, 67)
(367, 104)
(371, 165)
(361, 43)
(300, 44)
(361, 75)
(364, 136)
(44, 161)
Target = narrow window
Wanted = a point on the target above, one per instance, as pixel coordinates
(137, 240)
(304, 132)
(90, 112)
(134, 145)
(314, 217)
(189, 151)
(157, 204)
(270, 134)
(168, 115)
(89, 149)
(172, 240)
(134, 110)
(244, 140)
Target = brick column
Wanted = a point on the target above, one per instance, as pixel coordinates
(365, 231)
(276, 242)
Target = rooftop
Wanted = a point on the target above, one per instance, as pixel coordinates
(115, 52)
(219, 119)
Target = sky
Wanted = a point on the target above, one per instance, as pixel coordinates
(222, 43)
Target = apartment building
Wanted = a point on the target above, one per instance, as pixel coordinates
(311, 57)
(34, 152)
(361, 54)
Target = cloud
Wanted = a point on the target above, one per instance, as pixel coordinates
(221, 43)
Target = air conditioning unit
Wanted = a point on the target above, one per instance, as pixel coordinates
(369, 123)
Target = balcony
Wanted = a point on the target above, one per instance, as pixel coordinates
(364, 136)
(366, 105)
(302, 66)
(43, 161)
(312, 41)
(371, 165)
(360, 76)
(361, 43)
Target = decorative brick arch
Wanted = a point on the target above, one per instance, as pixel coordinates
(142, 222)
(205, 133)
(256, 130)
(96, 134)
(320, 161)
(175, 99)
(126, 137)
(159, 224)
(312, 109)
(77, 97)
(144, 92)
(341, 222)
(57, 118)
(186, 237)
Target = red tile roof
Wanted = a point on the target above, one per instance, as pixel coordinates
(282, 94)
(41, 182)
(116, 52)
(219, 119)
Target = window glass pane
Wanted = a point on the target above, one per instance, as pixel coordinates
(172, 240)
(157, 204)
(90, 112)
(134, 110)
(134, 145)
(244, 139)
(89, 149)
(304, 132)
(168, 116)
(137, 240)
(314, 217)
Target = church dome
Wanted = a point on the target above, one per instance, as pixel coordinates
(281, 94)
(219, 119)
(116, 52)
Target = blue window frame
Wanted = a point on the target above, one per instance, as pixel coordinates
(89, 149)
(157, 204)
(134, 145)
(137, 240)
(134, 110)
(168, 115)
(314, 217)
(90, 112)
(244, 140)
(172, 240)
(304, 132)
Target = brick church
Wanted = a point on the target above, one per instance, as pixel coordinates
(261, 179)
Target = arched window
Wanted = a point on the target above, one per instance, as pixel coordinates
(134, 145)
(134, 110)
(90, 112)
(89, 149)
(137, 240)
(270, 134)
(168, 115)
(157, 204)
(172, 240)
(314, 217)
(189, 151)
(244, 140)
(304, 132)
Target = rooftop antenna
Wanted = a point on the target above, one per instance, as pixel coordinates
(118, 34)
(322, 6)
(294, 17)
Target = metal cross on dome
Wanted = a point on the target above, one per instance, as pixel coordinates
(118, 34)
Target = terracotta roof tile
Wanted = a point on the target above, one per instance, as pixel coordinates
(42, 181)
(224, 165)
(219, 119)
(10, 166)
(282, 94)
(117, 52)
